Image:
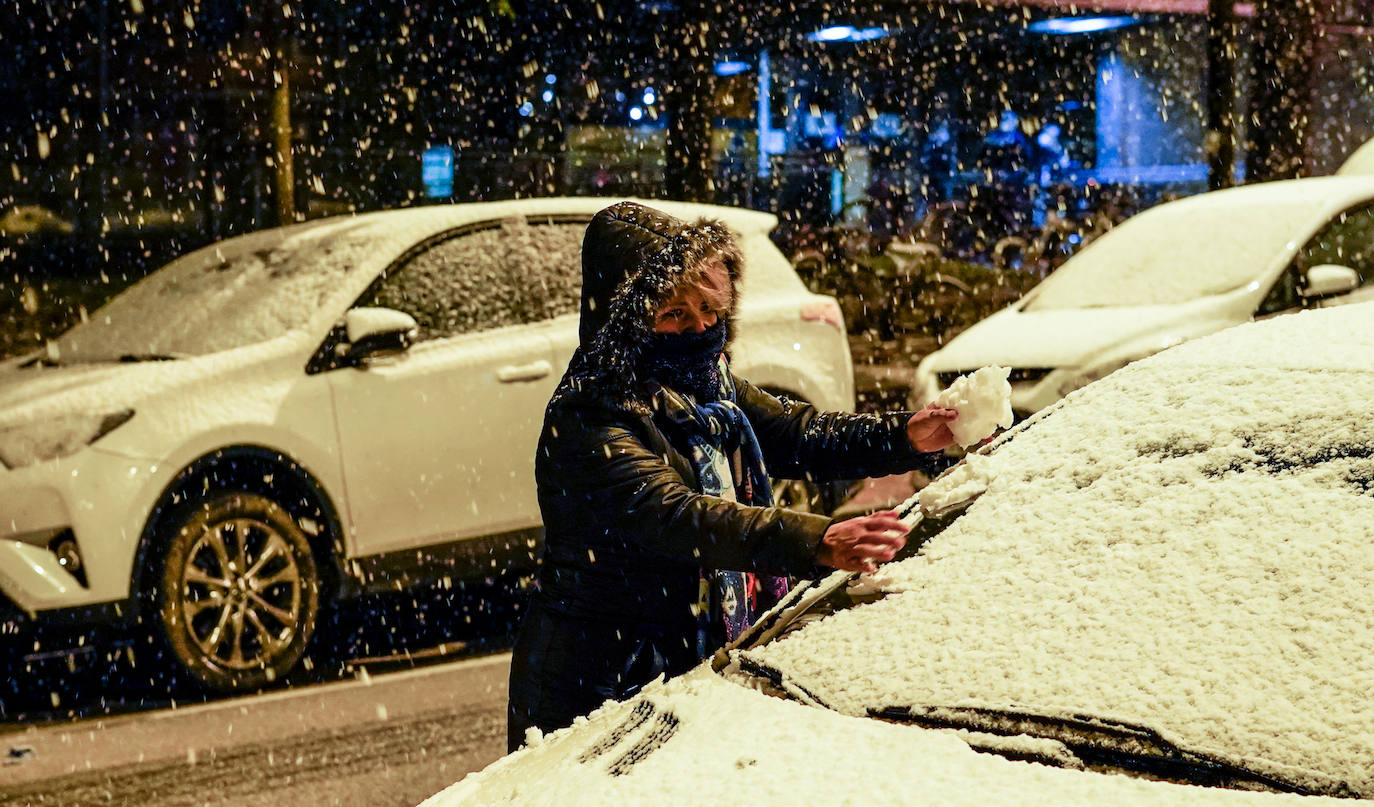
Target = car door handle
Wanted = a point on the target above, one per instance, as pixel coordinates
(513, 373)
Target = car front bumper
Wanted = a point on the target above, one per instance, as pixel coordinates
(88, 500)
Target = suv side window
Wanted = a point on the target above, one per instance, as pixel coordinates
(509, 273)
(1347, 241)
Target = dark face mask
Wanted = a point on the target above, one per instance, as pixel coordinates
(686, 362)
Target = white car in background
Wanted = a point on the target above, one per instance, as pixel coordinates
(1360, 161)
(306, 412)
(1162, 596)
(1174, 272)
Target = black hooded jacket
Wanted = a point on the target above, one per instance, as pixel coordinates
(626, 528)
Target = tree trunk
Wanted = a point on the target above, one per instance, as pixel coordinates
(282, 159)
(1284, 37)
(687, 169)
(1221, 66)
(281, 152)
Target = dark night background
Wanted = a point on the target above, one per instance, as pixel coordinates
(139, 129)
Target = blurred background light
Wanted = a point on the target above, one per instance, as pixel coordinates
(846, 33)
(731, 67)
(1080, 25)
(865, 34)
(835, 33)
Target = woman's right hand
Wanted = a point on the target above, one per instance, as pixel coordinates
(859, 544)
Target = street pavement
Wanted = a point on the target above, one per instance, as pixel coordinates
(385, 739)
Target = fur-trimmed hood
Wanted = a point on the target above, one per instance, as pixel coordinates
(633, 256)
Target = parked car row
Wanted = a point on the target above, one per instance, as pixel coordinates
(352, 403)
(305, 412)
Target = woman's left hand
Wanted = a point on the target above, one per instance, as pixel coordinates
(928, 429)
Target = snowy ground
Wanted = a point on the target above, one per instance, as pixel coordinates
(389, 739)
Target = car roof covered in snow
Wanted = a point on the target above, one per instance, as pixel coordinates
(255, 287)
(738, 218)
(1360, 161)
(1323, 195)
(1186, 545)
(1200, 245)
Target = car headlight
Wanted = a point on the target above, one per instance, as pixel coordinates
(29, 443)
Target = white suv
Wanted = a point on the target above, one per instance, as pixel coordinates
(315, 410)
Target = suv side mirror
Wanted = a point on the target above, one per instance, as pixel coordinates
(377, 332)
(1329, 280)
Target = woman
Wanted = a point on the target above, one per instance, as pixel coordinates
(659, 529)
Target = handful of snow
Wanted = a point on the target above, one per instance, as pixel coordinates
(983, 400)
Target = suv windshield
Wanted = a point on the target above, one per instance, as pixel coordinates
(235, 293)
(1174, 253)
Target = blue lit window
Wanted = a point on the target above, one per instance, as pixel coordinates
(1080, 25)
(846, 33)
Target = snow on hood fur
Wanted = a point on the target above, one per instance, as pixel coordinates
(633, 257)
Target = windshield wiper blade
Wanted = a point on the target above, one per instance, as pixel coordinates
(1112, 743)
(137, 357)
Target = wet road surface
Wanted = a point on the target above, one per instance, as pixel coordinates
(404, 696)
(389, 739)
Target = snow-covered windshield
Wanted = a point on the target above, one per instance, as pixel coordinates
(1186, 546)
(238, 292)
(1175, 253)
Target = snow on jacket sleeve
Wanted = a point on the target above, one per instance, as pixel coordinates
(604, 473)
(799, 440)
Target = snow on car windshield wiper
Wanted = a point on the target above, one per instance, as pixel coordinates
(124, 358)
(39, 360)
(811, 600)
(136, 357)
(1078, 742)
(1111, 744)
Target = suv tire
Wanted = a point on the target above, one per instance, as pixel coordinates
(237, 591)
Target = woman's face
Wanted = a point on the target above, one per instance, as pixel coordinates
(693, 309)
(685, 312)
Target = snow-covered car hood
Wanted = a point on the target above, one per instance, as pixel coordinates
(701, 739)
(1073, 337)
(1186, 545)
(36, 393)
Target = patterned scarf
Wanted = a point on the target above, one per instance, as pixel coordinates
(728, 462)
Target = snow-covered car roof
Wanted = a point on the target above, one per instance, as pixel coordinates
(258, 286)
(1186, 546)
(1360, 161)
(1200, 245)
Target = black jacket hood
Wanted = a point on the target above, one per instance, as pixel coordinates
(633, 256)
